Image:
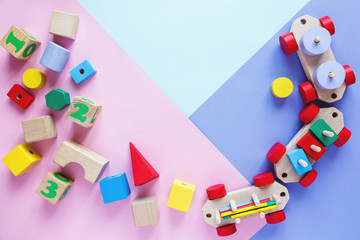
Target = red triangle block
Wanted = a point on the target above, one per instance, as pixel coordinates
(142, 170)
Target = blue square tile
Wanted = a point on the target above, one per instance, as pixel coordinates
(114, 188)
(82, 72)
(295, 156)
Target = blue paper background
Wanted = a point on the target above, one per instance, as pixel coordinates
(191, 47)
(243, 120)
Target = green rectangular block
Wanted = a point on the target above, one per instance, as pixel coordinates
(318, 128)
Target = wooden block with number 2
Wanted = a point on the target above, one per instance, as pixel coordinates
(54, 187)
(83, 111)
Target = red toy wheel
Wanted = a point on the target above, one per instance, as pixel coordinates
(308, 113)
(216, 191)
(288, 43)
(344, 136)
(307, 92)
(309, 178)
(226, 230)
(327, 23)
(349, 75)
(263, 179)
(275, 217)
(276, 152)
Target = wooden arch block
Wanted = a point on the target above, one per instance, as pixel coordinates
(92, 163)
(142, 170)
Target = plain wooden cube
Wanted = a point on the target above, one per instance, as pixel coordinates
(19, 43)
(181, 195)
(38, 129)
(64, 24)
(145, 211)
(54, 187)
(83, 111)
(93, 164)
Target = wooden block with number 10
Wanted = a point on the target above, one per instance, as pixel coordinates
(83, 111)
(19, 43)
(54, 187)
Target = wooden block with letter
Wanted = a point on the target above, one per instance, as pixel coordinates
(21, 159)
(19, 43)
(38, 129)
(181, 195)
(64, 24)
(145, 211)
(93, 164)
(83, 111)
(54, 187)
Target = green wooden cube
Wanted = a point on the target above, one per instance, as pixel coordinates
(57, 99)
(318, 129)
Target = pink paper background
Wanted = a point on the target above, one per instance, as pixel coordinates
(134, 109)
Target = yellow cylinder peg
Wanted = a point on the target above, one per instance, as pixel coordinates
(34, 78)
(282, 87)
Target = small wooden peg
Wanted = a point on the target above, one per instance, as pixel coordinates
(233, 205)
(327, 133)
(276, 199)
(317, 39)
(315, 148)
(237, 220)
(255, 199)
(262, 214)
(217, 217)
(303, 163)
(331, 74)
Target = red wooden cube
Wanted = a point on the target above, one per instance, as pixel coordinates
(314, 152)
(20, 96)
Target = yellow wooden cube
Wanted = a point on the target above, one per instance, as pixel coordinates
(21, 159)
(181, 195)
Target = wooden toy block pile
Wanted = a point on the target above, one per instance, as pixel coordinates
(327, 81)
(83, 111)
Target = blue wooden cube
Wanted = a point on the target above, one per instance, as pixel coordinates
(82, 72)
(55, 57)
(295, 156)
(114, 188)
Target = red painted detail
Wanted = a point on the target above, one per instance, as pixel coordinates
(288, 43)
(20, 96)
(308, 113)
(276, 152)
(307, 92)
(263, 179)
(142, 170)
(344, 136)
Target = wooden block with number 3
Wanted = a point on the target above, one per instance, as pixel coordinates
(83, 111)
(54, 187)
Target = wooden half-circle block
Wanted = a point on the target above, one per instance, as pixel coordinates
(93, 164)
